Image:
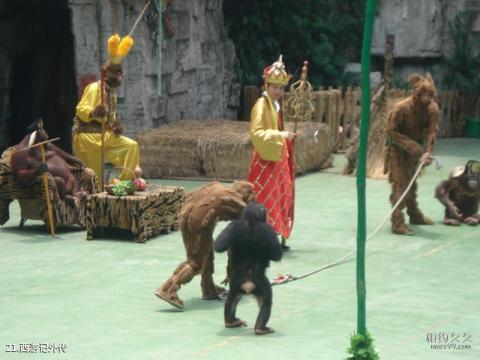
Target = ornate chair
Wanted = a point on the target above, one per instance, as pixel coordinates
(32, 199)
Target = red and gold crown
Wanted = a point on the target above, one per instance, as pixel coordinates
(118, 48)
(276, 74)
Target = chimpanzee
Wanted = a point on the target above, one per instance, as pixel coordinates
(202, 210)
(460, 194)
(252, 243)
(26, 163)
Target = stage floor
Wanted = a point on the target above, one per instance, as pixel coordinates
(97, 297)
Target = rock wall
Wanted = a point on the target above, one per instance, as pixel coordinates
(421, 29)
(4, 99)
(417, 26)
(197, 79)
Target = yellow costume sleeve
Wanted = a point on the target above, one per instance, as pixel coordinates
(266, 138)
(91, 98)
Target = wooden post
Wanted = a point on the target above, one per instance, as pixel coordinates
(316, 99)
(336, 114)
(321, 106)
(329, 111)
(356, 102)
(346, 114)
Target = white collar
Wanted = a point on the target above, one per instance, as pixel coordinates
(275, 102)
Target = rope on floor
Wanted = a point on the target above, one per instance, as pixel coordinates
(283, 279)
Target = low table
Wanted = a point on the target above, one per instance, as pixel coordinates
(144, 213)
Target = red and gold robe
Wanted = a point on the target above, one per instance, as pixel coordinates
(272, 167)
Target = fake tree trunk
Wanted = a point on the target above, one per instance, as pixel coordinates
(382, 101)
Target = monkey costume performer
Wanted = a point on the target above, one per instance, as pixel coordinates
(271, 169)
(27, 165)
(98, 106)
(411, 132)
(202, 210)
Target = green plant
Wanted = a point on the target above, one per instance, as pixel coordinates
(462, 66)
(361, 348)
(399, 83)
(324, 32)
(123, 188)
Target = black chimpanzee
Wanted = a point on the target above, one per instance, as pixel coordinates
(252, 243)
(460, 194)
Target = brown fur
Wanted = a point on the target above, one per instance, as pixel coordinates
(26, 166)
(202, 210)
(411, 131)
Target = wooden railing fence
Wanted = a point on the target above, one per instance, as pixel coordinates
(338, 107)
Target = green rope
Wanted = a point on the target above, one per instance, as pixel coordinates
(160, 5)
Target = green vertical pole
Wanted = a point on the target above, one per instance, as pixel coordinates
(160, 8)
(361, 170)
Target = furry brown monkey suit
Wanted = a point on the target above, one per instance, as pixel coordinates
(203, 208)
(26, 163)
(411, 131)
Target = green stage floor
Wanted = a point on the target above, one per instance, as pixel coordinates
(97, 296)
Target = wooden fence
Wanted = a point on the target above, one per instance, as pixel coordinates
(339, 107)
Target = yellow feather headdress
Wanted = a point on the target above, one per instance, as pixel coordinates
(118, 48)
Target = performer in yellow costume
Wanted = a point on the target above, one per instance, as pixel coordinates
(98, 105)
(271, 169)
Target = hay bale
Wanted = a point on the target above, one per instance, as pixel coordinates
(219, 149)
(311, 149)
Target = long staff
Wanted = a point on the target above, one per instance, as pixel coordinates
(299, 107)
(102, 141)
(47, 194)
(102, 91)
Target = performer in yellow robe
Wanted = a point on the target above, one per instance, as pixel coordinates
(91, 112)
(271, 169)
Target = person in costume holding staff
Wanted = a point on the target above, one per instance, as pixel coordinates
(98, 106)
(271, 169)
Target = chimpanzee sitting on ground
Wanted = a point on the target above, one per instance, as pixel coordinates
(252, 243)
(460, 194)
